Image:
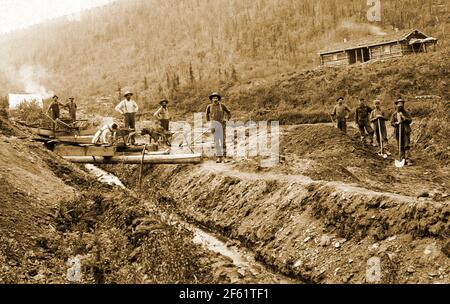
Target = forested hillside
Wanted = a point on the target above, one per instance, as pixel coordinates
(162, 47)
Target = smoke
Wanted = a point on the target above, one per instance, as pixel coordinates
(29, 79)
(362, 27)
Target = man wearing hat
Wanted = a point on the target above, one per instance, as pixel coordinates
(402, 119)
(163, 114)
(215, 113)
(128, 109)
(362, 114)
(54, 109)
(72, 106)
(378, 118)
(341, 112)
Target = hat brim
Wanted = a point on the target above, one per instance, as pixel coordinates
(399, 101)
(164, 101)
(125, 95)
(215, 95)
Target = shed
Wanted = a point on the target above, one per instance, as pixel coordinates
(393, 45)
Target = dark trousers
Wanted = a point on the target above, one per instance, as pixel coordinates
(405, 141)
(220, 131)
(129, 120)
(364, 126)
(342, 125)
(383, 132)
(130, 123)
(165, 124)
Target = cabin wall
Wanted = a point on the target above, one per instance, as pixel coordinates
(387, 51)
(335, 59)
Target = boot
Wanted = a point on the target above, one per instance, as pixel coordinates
(407, 158)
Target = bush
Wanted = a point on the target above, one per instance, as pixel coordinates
(29, 112)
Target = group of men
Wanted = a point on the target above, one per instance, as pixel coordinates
(217, 114)
(55, 105)
(372, 121)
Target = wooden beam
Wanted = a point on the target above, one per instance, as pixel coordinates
(75, 139)
(137, 159)
(66, 150)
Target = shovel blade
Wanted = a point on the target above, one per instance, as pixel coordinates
(400, 163)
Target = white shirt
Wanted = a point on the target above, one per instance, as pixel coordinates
(127, 106)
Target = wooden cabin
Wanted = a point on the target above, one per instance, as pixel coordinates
(383, 47)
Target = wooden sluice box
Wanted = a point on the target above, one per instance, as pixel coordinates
(70, 150)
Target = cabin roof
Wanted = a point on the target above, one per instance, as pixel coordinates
(375, 41)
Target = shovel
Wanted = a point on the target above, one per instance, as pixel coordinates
(384, 155)
(400, 163)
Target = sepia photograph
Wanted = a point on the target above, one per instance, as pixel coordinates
(199, 143)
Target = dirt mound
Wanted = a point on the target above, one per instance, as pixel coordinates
(118, 226)
(7, 128)
(47, 225)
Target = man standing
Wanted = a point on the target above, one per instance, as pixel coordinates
(54, 109)
(362, 119)
(215, 113)
(340, 113)
(378, 118)
(128, 109)
(72, 106)
(401, 119)
(163, 114)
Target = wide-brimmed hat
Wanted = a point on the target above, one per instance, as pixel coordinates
(55, 96)
(215, 94)
(163, 101)
(127, 93)
(339, 99)
(399, 100)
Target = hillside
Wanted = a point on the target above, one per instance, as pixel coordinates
(178, 49)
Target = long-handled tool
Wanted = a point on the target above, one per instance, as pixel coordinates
(384, 155)
(195, 139)
(332, 120)
(400, 163)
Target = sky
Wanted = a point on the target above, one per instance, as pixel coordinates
(16, 14)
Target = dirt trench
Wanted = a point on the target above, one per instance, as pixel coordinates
(315, 222)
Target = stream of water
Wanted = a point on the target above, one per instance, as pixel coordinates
(242, 258)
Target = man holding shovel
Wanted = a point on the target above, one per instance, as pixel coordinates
(401, 121)
(378, 119)
(362, 114)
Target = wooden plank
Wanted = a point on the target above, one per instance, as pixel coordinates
(46, 132)
(66, 150)
(76, 139)
(88, 132)
(137, 159)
